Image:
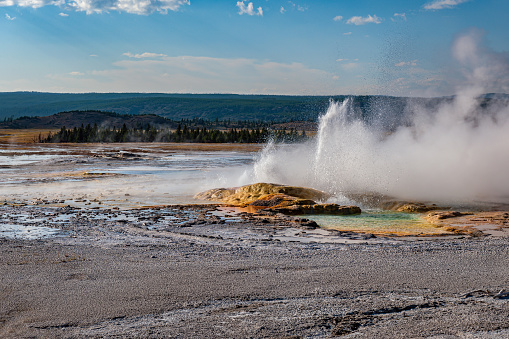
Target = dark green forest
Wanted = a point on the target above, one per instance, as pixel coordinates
(88, 133)
(112, 119)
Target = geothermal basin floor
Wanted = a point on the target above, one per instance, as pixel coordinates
(189, 271)
(103, 268)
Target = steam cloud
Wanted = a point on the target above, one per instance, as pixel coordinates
(457, 150)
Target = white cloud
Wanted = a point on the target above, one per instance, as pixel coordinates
(441, 4)
(282, 10)
(296, 7)
(63, 14)
(358, 20)
(143, 55)
(76, 73)
(142, 7)
(93, 55)
(340, 60)
(347, 33)
(399, 15)
(29, 3)
(350, 66)
(406, 63)
(338, 18)
(10, 18)
(249, 9)
(190, 74)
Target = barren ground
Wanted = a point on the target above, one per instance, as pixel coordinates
(203, 271)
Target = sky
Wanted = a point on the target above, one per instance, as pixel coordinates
(298, 47)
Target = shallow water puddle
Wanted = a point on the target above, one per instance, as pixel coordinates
(227, 214)
(28, 232)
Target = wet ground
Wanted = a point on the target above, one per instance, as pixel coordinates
(125, 175)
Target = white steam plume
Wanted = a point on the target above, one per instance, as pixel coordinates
(458, 150)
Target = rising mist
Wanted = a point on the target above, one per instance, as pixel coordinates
(457, 150)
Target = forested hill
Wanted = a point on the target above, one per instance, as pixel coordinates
(173, 106)
(269, 108)
(110, 120)
(78, 118)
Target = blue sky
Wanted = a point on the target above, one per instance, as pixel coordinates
(395, 47)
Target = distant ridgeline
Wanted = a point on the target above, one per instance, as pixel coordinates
(112, 120)
(88, 133)
(172, 106)
(273, 108)
(25, 110)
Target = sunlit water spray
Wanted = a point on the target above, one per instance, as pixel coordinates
(455, 151)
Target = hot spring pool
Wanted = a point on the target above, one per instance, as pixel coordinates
(379, 222)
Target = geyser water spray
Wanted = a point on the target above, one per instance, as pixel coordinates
(455, 150)
(442, 155)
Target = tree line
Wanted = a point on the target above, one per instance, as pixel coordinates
(94, 134)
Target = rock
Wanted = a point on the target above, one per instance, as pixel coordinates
(434, 216)
(308, 224)
(265, 194)
(289, 200)
(332, 209)
(273, 200)
(409, 207)
(269, 201)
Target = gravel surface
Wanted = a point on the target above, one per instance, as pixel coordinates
(191, 272)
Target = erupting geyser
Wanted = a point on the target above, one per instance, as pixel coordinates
(448, 154)
(454, 150)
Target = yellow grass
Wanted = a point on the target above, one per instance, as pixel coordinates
(23, 136)
(30, 136)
